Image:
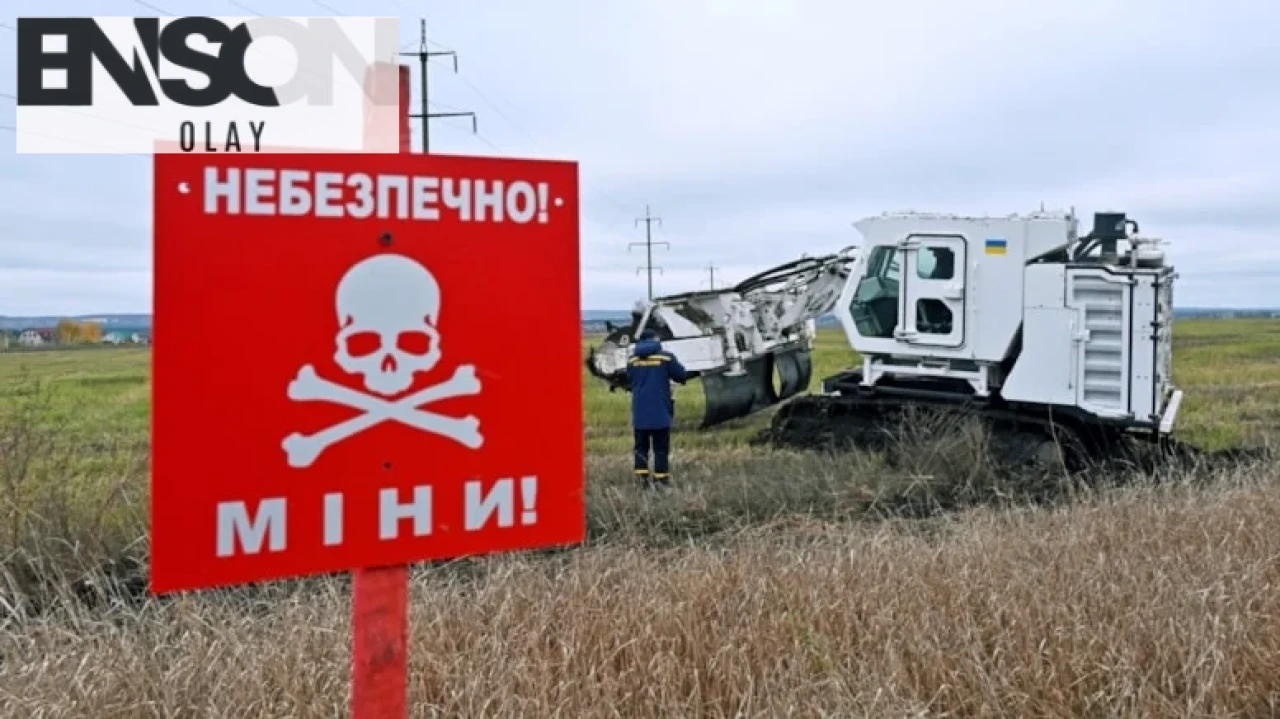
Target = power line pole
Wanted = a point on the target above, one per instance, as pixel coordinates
(648, 243)
(711, 272)
(426, 115)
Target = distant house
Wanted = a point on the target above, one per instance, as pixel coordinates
(114, 338)
(140, 338)
(37, 336)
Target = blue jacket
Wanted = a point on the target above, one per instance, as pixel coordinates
(650, 371)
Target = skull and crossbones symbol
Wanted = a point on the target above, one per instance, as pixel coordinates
(388, 306)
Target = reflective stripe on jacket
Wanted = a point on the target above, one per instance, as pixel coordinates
(650, 372)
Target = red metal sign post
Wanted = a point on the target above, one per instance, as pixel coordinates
(380, 642)
(363, 361)
(380, 595)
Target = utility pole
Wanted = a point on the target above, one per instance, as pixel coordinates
(426, 115)
(648, 243)
(711, 273)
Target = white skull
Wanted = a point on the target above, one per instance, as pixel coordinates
(388, 306)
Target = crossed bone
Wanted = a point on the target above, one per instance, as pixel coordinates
(303, 449)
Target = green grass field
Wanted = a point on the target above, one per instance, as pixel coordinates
(770, 581)
(1230, 370)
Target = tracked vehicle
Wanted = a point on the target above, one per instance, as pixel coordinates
(1059, 342)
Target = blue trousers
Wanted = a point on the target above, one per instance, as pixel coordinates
(659, 441)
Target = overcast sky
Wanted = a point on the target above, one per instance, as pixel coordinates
(760, 131)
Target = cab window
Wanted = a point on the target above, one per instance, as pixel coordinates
(874, 308)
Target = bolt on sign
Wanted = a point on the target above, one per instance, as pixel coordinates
(362, 361)
(107, 85)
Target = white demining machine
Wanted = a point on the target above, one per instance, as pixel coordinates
(1056, 339)
(749, 345)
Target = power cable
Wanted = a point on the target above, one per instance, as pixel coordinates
(123, 123)
(494, 105)
(149, 6)
(528, 135)
(328, 7)
(244, 7)
(424, 56)
(648, 244)
(496, 108)
(473, 86)
(16, 131)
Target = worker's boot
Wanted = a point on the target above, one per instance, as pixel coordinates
(662, 480)
(646, 481)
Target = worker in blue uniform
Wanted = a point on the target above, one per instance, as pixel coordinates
(650, 372)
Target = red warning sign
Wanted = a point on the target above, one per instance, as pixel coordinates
(362, 360)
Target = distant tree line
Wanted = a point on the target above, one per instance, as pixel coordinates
(71, 332)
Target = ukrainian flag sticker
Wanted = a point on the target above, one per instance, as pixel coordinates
(997, 247)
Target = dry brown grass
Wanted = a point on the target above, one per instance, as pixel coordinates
(1151, 603)
(769, 584)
